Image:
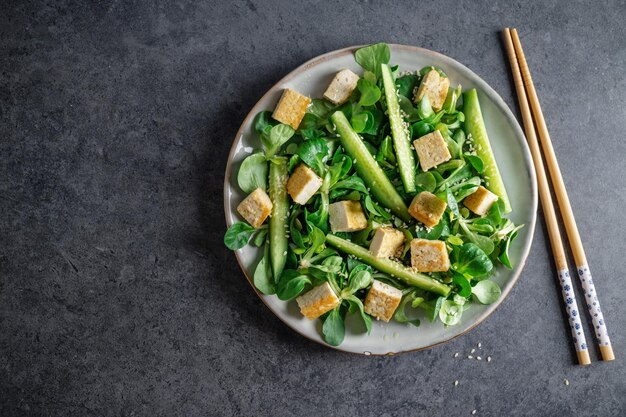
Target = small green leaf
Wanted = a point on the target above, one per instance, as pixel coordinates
(263, 122)
(277, 136)
(253, 173)
(355, 302)
(359, 122)
(452, 205)
(263, 279)
(313, 152)
(334, 329)
(463, 283)
(238, 235)
(476, 162)
(472, 261)
(426, 181)
(291, 284)
(486, 292)
(450, 313)
(370, 93)
(370, 57)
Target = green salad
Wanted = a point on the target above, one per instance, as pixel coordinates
(381, 199)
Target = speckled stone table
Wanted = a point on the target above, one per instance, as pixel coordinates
(117, 297)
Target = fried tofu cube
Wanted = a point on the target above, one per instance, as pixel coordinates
(291, 108)
(435, 87)
(387, 242)
(318, 301)
(382, 300)
(480, 201)
(255, 207)
(341, 87)
(346, 216)
(427, 208)
(432, 150)
(302, 184)
(429, 255)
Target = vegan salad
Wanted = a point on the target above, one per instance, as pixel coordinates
(381, 199)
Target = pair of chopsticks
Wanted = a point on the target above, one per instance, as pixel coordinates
(524, 85)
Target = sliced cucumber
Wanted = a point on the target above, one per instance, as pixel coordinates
(388, 266)
(278, 220)
(475, 126)
(399, 132)
(368, 169)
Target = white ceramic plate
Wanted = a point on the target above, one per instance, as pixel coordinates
(513, 159)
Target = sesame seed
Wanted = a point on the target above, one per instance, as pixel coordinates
(479, 345)
(473, 350)
(479, 358)
(566, 381)
(488, 358)
(456, 355)
(456, 383)
(473, 412)
(470, 357)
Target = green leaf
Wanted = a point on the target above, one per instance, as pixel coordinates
(476, 162)
(334, 329)
(464, 285)
(426, 181)
(259, 238)
(452, 205)
(355, 302)
(291, 284)
(450, 313)
(370, 57)
(421, 128)
(504, 256)
(352, 183)
(358, 279)
(486, 292)
(263, 279)
(253, 173)
(313, 153)
(276, 137)
(359, 122)
(263, 122)
(483, 242)
(472, 261)
(400, 313)
(406, 84)
(375, 209)
(238, 235)
(370, 93)
(321, 108)
(424, 109)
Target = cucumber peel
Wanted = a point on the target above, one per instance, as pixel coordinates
(399, 132)
(368, 169)
(477, 133)
(388, 266)
(278, 220)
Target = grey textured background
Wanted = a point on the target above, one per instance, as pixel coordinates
(116, 294)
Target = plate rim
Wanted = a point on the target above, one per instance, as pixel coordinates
(486, 88)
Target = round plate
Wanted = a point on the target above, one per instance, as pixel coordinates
(513, 158)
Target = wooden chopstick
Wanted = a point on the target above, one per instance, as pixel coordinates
(590, 295)
(569, 298)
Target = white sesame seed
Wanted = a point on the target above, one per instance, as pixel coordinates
(456, 383)
(479, 345)
(473, 350)
(473, 412)
(479, 358)
(566, 381)
(488, 358)
(470, 357)
(456, 355)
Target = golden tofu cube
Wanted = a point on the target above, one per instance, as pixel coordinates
(346, 216)
(291, 108)
(435, 87)
(382, 300)
(302, 184)
(387, 242)
(427, 208)
(341, 87)
(429, 255)
(255, 207)
(432, 150)
(318, 301)
(480, 201)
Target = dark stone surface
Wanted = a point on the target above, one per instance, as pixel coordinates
(116, 294)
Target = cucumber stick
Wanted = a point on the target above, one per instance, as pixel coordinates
(477, 134)
(399, 132)
(388, 266)
(278, 220)
(368, 169)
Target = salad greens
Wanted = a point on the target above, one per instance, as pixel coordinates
(362, 150)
